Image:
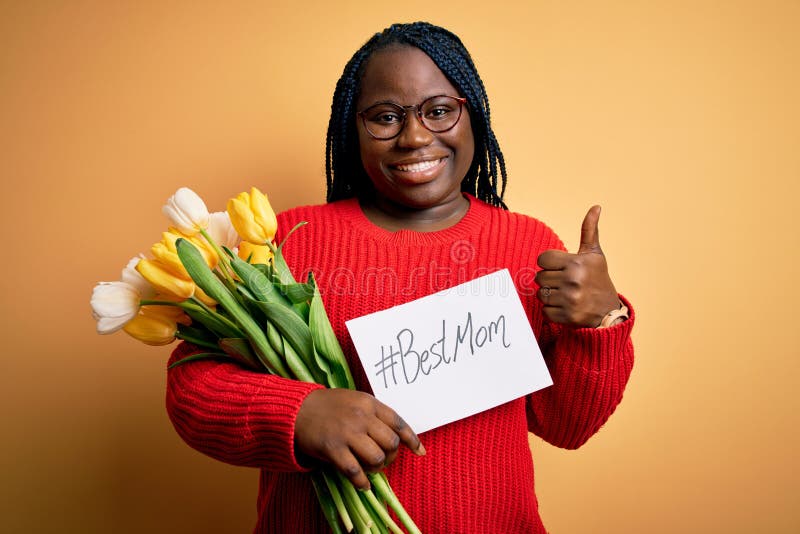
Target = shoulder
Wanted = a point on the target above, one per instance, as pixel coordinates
(518, 228)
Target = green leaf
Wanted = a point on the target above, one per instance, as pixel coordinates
(265, 269)
(239, 348)
(274, 337)
(298, 366)
(201, 274)
(201, 337)
(297, 293)
(290, 326)
(200, 356)
(214, 323)
(281, 272)
(259, 285)
(326, 344)
(242, 289)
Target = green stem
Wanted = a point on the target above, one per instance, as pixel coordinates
(223, 258)
(149, 302)
(381, 485)
(381, 512)
(357, 509)
(327, 502)
(338, 502)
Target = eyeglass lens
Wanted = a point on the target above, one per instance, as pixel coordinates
(386, 120)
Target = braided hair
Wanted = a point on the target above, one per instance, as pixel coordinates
(345, 173)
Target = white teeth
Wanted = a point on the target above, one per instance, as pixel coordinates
(419, 167)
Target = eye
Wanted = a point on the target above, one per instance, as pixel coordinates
(384, 114)
(438, 112)
(440, 108)
(388, 117)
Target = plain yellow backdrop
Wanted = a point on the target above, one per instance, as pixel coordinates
(682, 118)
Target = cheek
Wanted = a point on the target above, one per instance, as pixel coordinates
(371, 156)
(466, 145)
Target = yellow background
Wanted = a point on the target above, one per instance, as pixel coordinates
(682, 118)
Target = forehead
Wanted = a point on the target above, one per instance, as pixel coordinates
(402, 74)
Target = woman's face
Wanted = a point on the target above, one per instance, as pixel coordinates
(418, 169)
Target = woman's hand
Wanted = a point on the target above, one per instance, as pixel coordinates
(576, 289)
(352, 430)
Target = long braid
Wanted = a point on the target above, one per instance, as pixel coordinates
(345, 174)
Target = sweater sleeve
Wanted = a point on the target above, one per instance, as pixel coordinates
(235, 415)
(590, 368)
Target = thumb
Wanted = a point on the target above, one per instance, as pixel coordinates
(590, 237)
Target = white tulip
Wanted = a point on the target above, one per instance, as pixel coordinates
(221, 230)
(113, 305)
(131, 276)
(187, 211)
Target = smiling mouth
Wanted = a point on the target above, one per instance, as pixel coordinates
(420, 166)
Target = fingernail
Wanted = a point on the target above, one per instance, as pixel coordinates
(421, 450)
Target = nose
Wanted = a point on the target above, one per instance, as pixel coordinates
(414, 134)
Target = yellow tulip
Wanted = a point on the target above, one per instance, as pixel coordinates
(169, 285)
(252, 217)
(154, 325)
(165, 280)
(172, 313)
(166, 252)
(201, 295)
(254, 253)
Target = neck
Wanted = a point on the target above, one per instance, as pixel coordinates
(394, 217)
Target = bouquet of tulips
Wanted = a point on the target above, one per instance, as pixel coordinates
(218, 281)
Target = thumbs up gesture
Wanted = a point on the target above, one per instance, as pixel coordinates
(576, 289)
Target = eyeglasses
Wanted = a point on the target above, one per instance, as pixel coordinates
(438, 114)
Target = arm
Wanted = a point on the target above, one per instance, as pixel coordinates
(590, 368)
(234, 415)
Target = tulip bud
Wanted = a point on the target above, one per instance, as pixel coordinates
(113, 305)
(187, 211)
(152, 326)
(169, 285)
(164, 279)
(254, 253)
(252, 216)
(167, 254)
(221, 230)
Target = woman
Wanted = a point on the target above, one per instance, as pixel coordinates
(415, 187)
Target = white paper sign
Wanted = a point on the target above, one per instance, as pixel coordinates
(451, 354)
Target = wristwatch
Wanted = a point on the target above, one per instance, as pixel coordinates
(613, 315)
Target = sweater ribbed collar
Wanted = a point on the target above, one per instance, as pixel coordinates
(469, 225)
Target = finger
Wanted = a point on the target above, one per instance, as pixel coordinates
(590, 236)
(553, 260)
(548, 295)
(348, 465)
(387, 439)
(554, 313)
(396, 423)
(368, 453)
(552, 279)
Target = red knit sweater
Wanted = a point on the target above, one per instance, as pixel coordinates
(477, 476)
